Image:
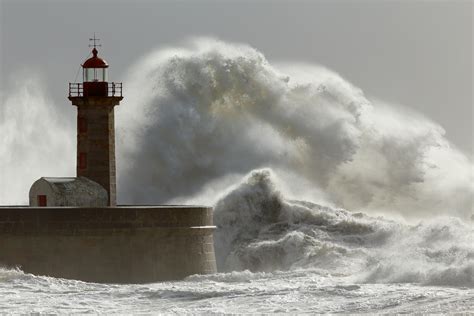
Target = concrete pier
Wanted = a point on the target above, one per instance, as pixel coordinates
(124, 244)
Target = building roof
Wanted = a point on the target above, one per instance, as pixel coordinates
(68, 191)
(59, 179)
(95, 61)
(65, 183)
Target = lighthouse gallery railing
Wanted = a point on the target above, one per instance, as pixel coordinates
(114, 89)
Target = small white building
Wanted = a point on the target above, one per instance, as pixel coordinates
(79, 191)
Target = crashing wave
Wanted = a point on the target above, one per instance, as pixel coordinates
(198, 116)
(260, 230)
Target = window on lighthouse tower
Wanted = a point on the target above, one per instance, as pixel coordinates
(95, 74)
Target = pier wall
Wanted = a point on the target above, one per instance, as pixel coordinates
(125, 244)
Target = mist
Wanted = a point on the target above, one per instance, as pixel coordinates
(199, 116)
(35, 140)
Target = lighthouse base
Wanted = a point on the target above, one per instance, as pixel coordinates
(125, 244)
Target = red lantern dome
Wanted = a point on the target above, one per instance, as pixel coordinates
(94, 61)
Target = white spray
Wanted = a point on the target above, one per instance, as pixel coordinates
(196, 118)
(261, 230)
(35, 141)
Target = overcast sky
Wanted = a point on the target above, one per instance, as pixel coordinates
(415, 53)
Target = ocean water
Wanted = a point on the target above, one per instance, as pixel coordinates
(285, 256)
(325, 200)
(300, 291)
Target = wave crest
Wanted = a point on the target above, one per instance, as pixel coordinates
(260, 230)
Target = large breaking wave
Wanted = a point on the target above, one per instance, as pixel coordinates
(201, 117)
(197, 118)
(260, 230)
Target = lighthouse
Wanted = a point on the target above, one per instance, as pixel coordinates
(73, 228)
(95, 99)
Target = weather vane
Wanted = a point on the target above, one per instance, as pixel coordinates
(94, 39)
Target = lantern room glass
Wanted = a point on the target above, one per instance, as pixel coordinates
(95, 74)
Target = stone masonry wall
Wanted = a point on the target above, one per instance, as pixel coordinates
(96, 141)
(113, 245)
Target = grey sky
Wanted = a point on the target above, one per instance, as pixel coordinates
(416, 53)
